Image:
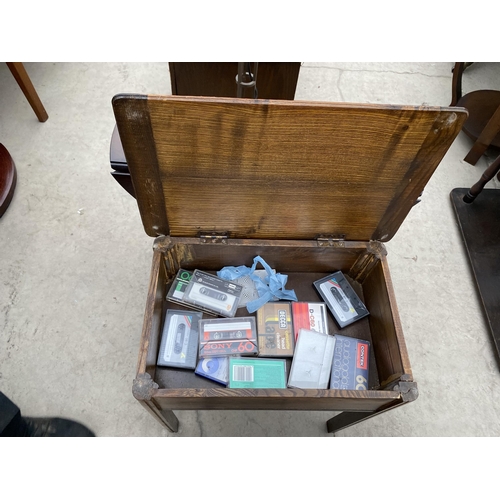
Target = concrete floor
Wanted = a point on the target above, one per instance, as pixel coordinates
(75, 262)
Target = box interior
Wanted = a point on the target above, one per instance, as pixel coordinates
(304, 263)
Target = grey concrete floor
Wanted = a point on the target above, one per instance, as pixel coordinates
(75, 262)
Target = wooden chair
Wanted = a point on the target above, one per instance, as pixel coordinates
(483, 126)
(483, 123)
(488, 174)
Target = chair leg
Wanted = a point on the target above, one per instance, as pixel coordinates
(19, 72)
(488, 174)
(456, 84)
(489, 132)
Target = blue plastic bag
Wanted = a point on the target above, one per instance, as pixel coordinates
(272, 286)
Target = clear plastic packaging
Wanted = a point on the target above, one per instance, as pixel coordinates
(210, 292)
(341, 299)
(179, 342)
(228, 337)
(312, 360)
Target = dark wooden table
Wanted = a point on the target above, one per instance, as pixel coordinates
(8, 179)
(480, 228)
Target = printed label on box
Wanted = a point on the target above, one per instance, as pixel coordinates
(228, 337)
(257, 373)
(350, 364)
(274, 330)
(310, 316)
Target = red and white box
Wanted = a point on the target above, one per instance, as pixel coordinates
(310, 316)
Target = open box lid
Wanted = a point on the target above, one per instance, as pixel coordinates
(279, 169)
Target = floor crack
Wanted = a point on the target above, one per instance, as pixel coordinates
(448, 77)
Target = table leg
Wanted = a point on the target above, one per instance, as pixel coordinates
(346, 419)
(19, 72)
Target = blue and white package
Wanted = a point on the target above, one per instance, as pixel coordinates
(350, 364)
(216, 369)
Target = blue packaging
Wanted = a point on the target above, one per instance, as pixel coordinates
(350, 364)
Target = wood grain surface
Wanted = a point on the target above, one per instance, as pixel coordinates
(279, 169)
(221, 398)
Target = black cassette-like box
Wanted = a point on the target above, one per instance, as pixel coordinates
(341, 299)
(211, 292)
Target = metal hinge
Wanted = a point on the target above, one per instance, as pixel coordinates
(326, 240)
(213, 237)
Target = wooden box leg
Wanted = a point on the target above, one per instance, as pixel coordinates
(166, 417)
(409, 392)
(143, 389)
(346, 419)
(22, 78)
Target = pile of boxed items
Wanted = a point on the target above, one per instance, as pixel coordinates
(274, 343)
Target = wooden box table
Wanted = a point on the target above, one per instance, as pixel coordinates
(312, 187)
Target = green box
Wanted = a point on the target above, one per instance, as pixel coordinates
(255, 373)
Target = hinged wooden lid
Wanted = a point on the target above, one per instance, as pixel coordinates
(279, 169)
